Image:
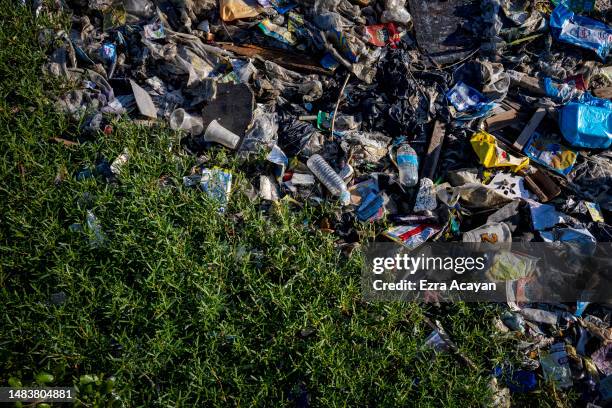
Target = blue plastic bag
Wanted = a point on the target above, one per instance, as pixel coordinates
(584, 32)
(587, 123)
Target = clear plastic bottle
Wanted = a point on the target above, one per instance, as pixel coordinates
(408, 165)
(330, 179)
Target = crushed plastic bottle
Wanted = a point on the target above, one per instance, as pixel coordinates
(408, 165)
(330, 179)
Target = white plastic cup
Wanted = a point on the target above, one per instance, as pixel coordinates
(179, 119)
(217, 133)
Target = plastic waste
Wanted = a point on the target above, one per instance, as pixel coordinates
(491, 155)
(539, 316)
(487, 78)
(217, 184)
(218, 134)
(140, 8)
(143, 101)
(395, 10)
(509, 266)
(509, 185)
(262, 133)
(371, 208)
(578, 235)
(522, 381)
(278, 33)
(467, 99)
(436, 342)
(605, 388)
(582, 31)
(556, 367)
(328, 177)
(365, 147)
(500, 395)
(490, 233)
(179, 119)
(514, 321)
(586, 126)
(411, 236)
(473, 195)
(544, 216)
(426, 197)
(548, 150)
(382, 35)
(576, 5)
(231, 10)
(268, 188)
(154, 31)
(120, 162)
(407, 163)
(97, 237)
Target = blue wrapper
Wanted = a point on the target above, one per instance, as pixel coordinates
(108, 52)
(584, 32)
(329, 62)
(467, 99)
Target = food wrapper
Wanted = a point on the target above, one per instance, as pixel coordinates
(382, 34)
(547, 151)
(411, 236)
(217, 184)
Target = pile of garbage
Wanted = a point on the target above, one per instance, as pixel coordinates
(454, 120)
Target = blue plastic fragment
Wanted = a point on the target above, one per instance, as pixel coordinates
(522, 381)
(587, 123)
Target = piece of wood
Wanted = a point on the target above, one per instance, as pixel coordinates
(296, 62)
(433, 150)
(525, 135)
(531, 84)
(603, 92)
(501, 120)
(542, 185)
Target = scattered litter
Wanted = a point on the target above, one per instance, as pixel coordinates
(483, 122)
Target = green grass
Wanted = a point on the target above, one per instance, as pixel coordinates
(184, 306)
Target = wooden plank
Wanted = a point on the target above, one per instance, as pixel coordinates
(541, 184)
(433, 150)
(525, 135)
(501, 120)
(296, 62)
(530, 84)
